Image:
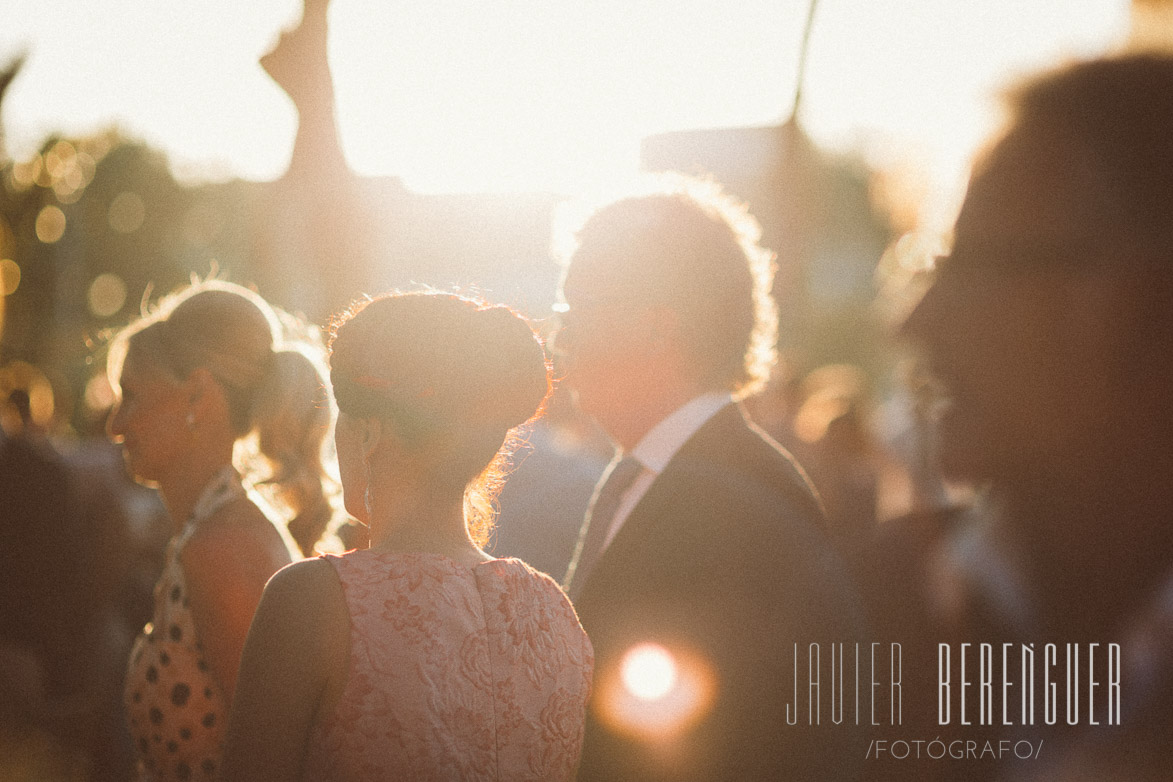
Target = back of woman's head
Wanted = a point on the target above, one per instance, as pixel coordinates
(272, 389)
(451, 375)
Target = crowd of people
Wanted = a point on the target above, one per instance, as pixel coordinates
(331, 605)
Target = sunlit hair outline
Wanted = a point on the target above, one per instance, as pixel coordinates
(758, 338)
(279, 403)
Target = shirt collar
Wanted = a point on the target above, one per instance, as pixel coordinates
(659, 445)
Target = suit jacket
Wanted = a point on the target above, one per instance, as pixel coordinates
(724, 561)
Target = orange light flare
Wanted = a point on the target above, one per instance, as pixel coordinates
(655, 692)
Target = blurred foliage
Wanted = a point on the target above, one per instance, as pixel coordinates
(126, 221)
(126, 231)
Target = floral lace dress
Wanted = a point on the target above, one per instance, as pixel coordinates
(456, 673)
(174, 705)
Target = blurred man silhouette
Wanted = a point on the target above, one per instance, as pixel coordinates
(703, 536)
(1050, 327)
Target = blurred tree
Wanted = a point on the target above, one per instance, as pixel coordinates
(87, 226)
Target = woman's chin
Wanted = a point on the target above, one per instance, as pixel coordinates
(144, 480)
(358, 515)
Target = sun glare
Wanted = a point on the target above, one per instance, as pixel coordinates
(649, 672)
(655, 692)
(537, 96)
(533, 96)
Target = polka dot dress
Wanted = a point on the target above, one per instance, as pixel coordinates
(174, 705)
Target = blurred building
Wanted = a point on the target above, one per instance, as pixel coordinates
(1151, 25)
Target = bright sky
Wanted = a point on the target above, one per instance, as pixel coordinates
(471, 95)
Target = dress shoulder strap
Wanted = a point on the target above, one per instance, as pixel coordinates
(224, 487)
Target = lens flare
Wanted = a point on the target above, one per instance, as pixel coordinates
(656, 691)
(648, 672)
(50, 225)
(126, 212)
(106, 296)
(9, 277)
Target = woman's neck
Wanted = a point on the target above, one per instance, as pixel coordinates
(182, 489)
(419, 525)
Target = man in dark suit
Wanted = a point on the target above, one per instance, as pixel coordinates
(703, 560)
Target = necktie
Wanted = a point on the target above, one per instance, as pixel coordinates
(599, 517)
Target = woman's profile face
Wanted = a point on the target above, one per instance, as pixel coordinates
(352, 471)
(150, 420)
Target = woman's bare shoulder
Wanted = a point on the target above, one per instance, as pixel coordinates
(304, 604)
(311, 579)
(237, 526)
(241, 512)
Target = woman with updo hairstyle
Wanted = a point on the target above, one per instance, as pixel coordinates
(421, 657)
(197, 379)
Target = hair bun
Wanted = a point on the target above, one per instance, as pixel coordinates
(455, 361)
(451, 376)
(290, 405)
(290, 367)
(518, 365)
